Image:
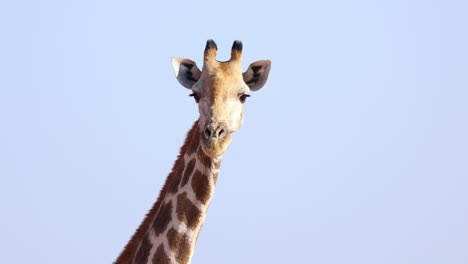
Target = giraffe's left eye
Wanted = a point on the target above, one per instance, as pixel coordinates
(243, 97)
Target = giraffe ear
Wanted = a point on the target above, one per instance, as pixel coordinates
(186, 71)
(257, 74)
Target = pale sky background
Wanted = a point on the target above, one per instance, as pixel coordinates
(356, 150)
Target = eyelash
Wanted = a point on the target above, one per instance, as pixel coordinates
(243, 97)
(196, 97)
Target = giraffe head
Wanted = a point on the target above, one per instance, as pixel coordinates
(220, 89)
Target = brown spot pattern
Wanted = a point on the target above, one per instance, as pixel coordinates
(180, 245)
(204, 159)
(176, 176)
(160, 256)
(187, 212)
(201, 186)
(188, 172)
(143, 251)
(194, 142)
(162, 218)
(160, 214)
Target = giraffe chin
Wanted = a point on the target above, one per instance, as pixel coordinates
(216, 147)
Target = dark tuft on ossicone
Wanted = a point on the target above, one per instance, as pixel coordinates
(210, 44)
(237, 45)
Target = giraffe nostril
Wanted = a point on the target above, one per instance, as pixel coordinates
(207, 133)
(220, 133)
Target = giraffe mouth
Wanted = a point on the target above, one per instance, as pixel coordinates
(215, 147)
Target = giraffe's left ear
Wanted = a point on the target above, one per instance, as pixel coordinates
(257, 74)
(186, 71)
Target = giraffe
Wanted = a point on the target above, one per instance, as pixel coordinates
(169, 231)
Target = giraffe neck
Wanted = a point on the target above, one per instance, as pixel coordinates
(169, 232)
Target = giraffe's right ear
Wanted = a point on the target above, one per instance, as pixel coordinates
(186, 71)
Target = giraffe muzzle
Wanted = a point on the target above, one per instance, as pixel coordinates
(215, 131)
(215, 139)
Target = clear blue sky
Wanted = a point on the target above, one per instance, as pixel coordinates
(356, 150)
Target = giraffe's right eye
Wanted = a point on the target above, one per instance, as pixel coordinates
(196, 97)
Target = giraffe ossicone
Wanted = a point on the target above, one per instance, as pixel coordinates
(169, 232)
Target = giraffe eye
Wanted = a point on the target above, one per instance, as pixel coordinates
(243, 97)
(196, 97)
